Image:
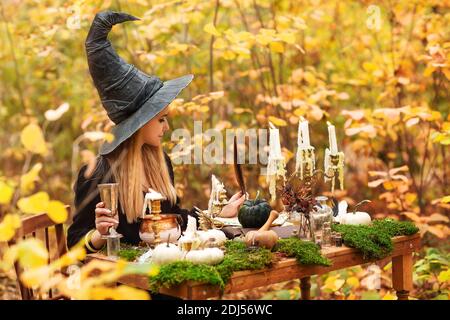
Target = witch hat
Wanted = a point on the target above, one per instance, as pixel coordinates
(130, 97)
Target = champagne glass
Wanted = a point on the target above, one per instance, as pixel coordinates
(109, 194)
(110, 197)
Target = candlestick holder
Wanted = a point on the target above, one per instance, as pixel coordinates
(334, 169)
(156, 217)
(153, 224)
(305, 161)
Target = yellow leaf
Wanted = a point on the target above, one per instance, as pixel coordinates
(242, 51)
(8, 227)
(428, 71)
(211, 29)
(276, 47)
(389, 296)
(57, 211)
(265, 36)
(76, 254)
(229, 55)
(410, 197)
(444, 276)
(130, 293)
(30, 253)
(388, 185)
(35, 277)
(287, 37)
(28, 179)
(220, 44)
(6, 193)
(277, 121)
(119, 293)
(37, 203)
(353, 282)
(299, 112)
(369, 66)
(33, 139)
(309, 77)
(445, 199)
(333, 283)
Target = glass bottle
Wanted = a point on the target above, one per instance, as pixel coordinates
(326, 236)
(321, 215)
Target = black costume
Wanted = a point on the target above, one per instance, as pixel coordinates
(87, 196)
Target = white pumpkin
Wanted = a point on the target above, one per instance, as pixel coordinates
(166, 253)
(356, 218)
(209, 256)
(218, 235)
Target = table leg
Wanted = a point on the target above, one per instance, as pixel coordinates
(305, 288)
(402, 275)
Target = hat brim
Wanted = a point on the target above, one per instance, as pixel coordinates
(161, 99)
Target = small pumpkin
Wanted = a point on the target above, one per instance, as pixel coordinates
(166, 253)
(356, 217)
(212, 233)
(254, 213)
(209, 256)
(263, 237)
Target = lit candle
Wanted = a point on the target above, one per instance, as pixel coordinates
(332, 138)
(274, 142)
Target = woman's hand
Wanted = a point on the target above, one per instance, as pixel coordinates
(103, 219)
(232, 208)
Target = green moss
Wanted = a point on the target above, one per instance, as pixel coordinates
(374, 241)
(127, 251)
(305, 252)
(396, 228)
(176, 273)
(238, 257)
(129, 254)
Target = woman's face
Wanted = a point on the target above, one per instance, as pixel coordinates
(152, 132)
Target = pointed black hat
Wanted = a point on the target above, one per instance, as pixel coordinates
(131, 97)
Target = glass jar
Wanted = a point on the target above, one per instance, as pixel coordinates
(295, 218)
(321, 215)
(326, 237)
(318, 240)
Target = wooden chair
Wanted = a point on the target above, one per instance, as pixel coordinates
(34, 226)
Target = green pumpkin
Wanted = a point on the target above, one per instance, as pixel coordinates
(254, 213)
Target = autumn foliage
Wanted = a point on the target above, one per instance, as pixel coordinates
(379, 70)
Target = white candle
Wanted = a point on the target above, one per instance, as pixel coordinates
(332, 138)
(305, 132)
(300, 143)
(274, 142)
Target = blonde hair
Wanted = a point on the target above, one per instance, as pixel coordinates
(129, 163)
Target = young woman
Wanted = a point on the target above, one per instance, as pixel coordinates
(138, 105)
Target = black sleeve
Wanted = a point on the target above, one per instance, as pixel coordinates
(86, 198)
(184, 213)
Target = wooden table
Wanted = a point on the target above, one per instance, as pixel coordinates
(288, 269)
